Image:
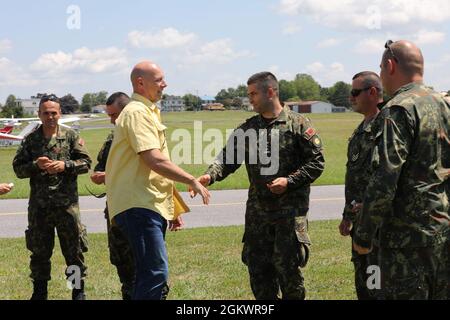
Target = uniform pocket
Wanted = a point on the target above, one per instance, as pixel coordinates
(304, 242)
(28, 239)
(84, 239)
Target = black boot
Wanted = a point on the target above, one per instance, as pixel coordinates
(78, 294)
(39, 290)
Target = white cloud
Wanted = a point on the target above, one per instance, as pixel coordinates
(13, 75)
(280, 74)
(374, 15)
(219, 52)
(165, 38)
(370, 46)
(327, 75)
(5, 45)
(291, 28)
(81, 60)
(327, 43)
(429, 37)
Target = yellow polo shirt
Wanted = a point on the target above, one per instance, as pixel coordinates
(130, 183)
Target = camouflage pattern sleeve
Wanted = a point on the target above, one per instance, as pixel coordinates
(23, 164)
(227, 162)
(103, 154)
(80, 161)
(392, 144)
(313, 162)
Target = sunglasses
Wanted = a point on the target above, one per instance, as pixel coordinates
(388, 46)
(49, 97)
(356, 92)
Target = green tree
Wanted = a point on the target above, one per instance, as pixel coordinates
(69, 104)
(87, 102)
(11, 108)
(307, 88)
(101, 97)
(192, 102)
(339, 94)
(241, 91)
(287, 90)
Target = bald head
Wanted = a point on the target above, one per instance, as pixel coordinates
(147, 79)
(408, 56)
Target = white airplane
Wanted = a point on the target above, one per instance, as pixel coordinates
(34, 122)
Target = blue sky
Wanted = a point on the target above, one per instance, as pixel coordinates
(204, 46)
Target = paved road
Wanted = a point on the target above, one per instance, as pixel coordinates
(226, 208)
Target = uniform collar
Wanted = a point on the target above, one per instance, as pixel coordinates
(408, 87)
(282, 118)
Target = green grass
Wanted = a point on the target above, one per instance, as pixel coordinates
(205, 263)
(334, 129)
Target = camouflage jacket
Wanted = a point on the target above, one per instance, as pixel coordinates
(52, 189)
(296, 153)
(359, 157)
(103, 154)
(405, 198)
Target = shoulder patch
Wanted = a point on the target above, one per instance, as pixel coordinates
(309, 133)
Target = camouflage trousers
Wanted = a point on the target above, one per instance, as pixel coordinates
(40, 239)
(274, 252)
(121, 256)
(361, 263)
(414, 273)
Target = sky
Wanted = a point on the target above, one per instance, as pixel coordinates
(205, 45)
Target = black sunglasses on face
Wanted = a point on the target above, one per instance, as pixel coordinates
(356, 92)
(388, 46)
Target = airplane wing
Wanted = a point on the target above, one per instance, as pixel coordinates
(5, 136)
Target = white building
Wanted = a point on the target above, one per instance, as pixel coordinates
(99, 109)
(172, 103)
(310, 106)
(29, 106)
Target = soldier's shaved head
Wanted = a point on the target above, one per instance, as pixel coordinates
(408, 57)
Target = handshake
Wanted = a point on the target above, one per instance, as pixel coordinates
(198, 186)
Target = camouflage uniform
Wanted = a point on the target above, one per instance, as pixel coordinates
(120, 252)
(357, 176)
(405, 199)
(53, 199)
(276, 243)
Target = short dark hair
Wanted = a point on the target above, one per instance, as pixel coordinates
(370, 79)
(119, 98)
(264, 81)
(49, 97)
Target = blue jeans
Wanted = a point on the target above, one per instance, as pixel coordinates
(145, 230)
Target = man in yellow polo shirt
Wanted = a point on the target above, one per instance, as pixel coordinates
(139, 181)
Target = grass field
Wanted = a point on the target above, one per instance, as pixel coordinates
(334, 129)
(205, 263)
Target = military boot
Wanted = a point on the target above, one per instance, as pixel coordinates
(39, 290)
(78, 294)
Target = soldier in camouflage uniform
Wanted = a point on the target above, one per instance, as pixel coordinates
(119, 250)
(405, 203)
(52, 157)
(365, 96)
(276, 243)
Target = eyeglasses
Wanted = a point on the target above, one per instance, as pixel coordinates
(356, 92)
(387, 45)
